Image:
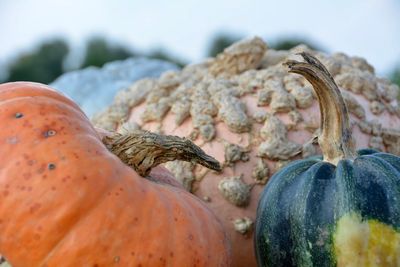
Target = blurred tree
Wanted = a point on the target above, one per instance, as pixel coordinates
(290, 42)
(223, 40)
(42, 65)
(100, 51)
(220, 42)
(395, 78)
(162, 55)
(45, 63)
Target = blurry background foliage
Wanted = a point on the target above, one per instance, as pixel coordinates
(47, 61)
(223, 40)
(44, 64)
(99, 51)
(395, 75)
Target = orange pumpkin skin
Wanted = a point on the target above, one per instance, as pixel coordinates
(65, 200)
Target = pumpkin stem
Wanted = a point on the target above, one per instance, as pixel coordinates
(144, 150)
(335, 137)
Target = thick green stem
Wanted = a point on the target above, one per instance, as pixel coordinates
(143, 150)
(335, 137)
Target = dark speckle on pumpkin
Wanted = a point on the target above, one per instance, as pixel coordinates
(49, 133)
(51, 166)
(18, 115)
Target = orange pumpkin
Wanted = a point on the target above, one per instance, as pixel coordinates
(244, 108)
(65, 200)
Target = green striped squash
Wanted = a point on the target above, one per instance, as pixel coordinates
(342, 209)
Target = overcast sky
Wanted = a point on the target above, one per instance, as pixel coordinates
(367, 28)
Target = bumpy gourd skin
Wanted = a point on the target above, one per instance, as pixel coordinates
(313, 213)
(65, 200)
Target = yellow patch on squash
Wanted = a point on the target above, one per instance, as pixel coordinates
(367, 243)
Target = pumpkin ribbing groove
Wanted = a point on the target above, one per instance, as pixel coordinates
(311, 202)
(389, 188)
(391, 159)
(281, 199)
(345, 177)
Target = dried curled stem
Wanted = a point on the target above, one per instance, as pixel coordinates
(335, 137)
(144, 150)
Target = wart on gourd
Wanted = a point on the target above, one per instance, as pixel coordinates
(275, 143)
(261, 172)
(243, 225)
(235, 190)
(234, 153)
